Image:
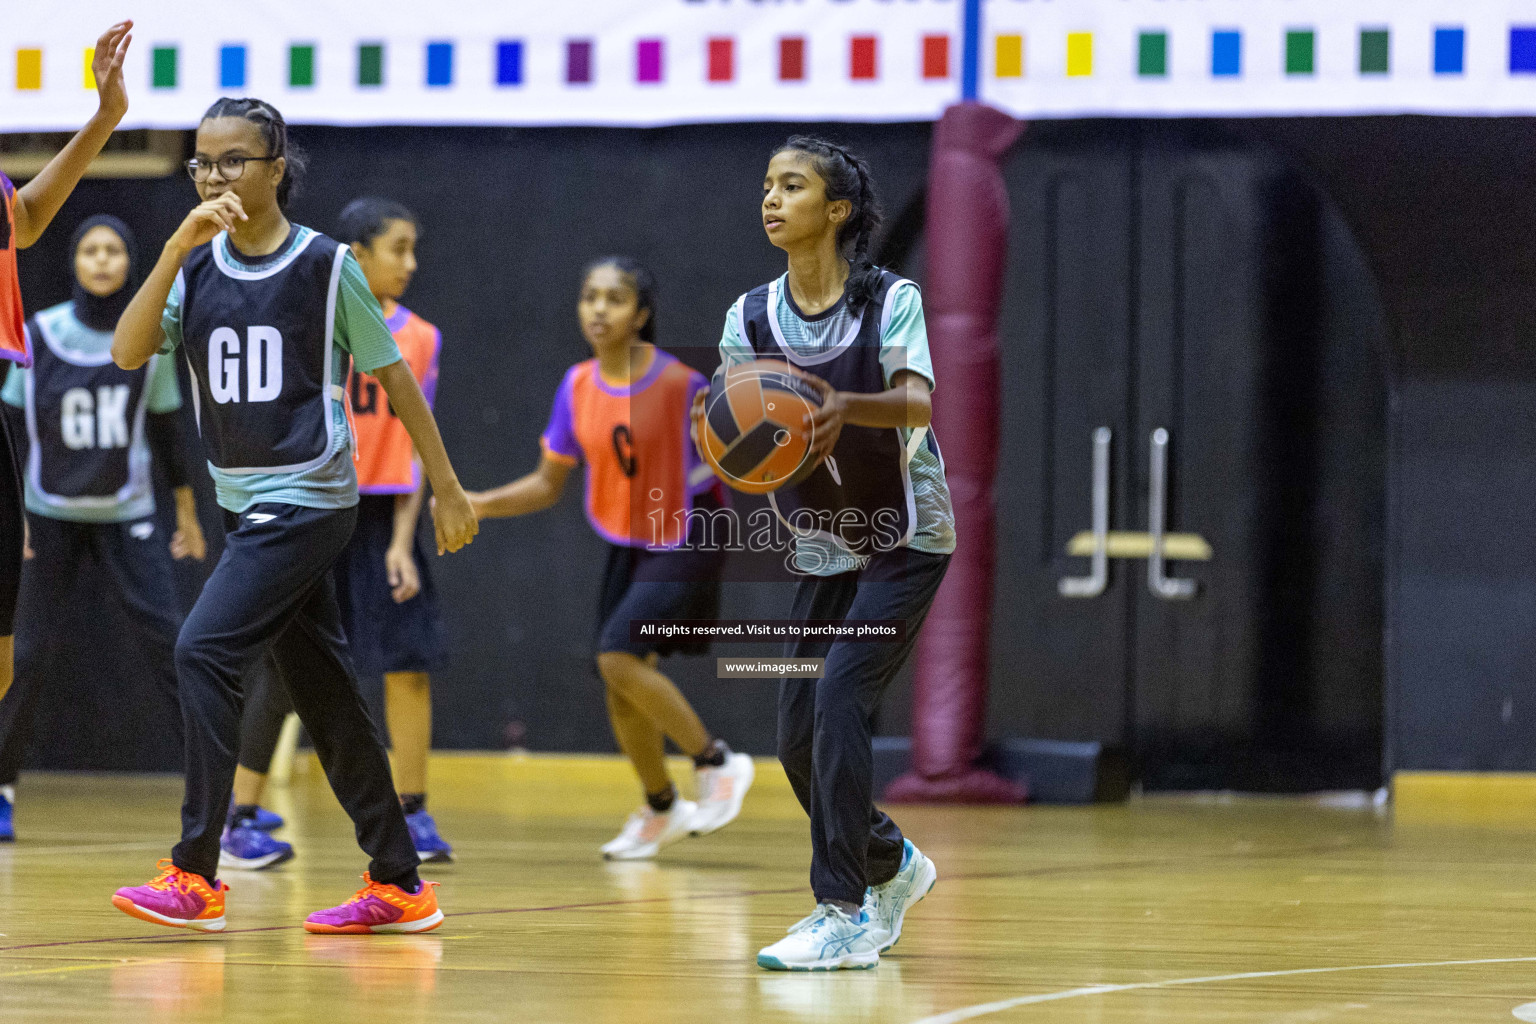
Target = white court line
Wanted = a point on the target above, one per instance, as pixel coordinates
(982, 1009)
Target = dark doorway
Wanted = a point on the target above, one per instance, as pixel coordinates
(1189, 302)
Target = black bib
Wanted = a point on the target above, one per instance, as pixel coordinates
(861, 494)
(259, 344)
(84, 415)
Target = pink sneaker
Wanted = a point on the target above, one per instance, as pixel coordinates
(379, 908)
(177, 899)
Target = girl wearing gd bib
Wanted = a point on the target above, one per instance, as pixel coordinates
(266, 314)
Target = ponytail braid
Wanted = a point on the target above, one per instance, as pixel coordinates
(847, 177)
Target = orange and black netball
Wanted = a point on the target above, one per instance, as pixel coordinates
(754, 435)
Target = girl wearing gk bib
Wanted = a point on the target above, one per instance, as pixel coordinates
(24, 214)
(87, 433)
(266, 314)
(625, 413)
(874, 529)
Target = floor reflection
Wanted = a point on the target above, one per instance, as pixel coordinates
(189, 981)
(395, 964)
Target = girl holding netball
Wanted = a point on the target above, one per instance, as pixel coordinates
(267, 315)
(86, 435)
(625, 413)
(24, 214)
(886, 531)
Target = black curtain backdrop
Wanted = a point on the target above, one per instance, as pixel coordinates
(1441, 206)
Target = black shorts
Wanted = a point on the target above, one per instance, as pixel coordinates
(641, 584)
(13, 522)
(385, 636)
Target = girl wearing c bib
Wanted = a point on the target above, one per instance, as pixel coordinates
(624, 413)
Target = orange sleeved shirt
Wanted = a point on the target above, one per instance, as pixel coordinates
(384, 452)
(642, 467)
(13, 336)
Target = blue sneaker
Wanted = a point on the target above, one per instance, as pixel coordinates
(430, 846)
(263, 820)
(893, 899)
(7, 829)
(251, 849)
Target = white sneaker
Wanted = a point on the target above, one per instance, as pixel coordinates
(828, 940)
(892, 900)
(646, 831)
(721, 791)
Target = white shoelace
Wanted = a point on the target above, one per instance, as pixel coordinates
(818, 916)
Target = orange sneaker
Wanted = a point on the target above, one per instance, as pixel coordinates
(379, 908)
(177, 899)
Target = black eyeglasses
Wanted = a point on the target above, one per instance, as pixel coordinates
(230, 167)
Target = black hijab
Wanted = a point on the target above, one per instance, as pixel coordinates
(101, 312)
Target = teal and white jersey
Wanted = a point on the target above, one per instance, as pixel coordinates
(70, 342)
(903, 346)
(358, 336)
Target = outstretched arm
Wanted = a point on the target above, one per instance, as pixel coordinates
(532, 492)
(39, 199)
(452, 515)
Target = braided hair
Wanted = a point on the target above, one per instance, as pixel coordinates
(274, 130)
(640, 279)
(847, 177)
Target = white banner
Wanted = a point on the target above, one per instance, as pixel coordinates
(646, 62)
(1076, 58)
(513, 62)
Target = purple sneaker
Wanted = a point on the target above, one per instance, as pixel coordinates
(178, 899)
(242, 846)
(379, 908)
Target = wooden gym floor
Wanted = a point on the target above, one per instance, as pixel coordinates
(1163, 910)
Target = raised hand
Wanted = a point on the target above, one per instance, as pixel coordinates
(107, 67)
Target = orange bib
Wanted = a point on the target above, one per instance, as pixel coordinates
(384, 452)
(13, 338)
(634, 440)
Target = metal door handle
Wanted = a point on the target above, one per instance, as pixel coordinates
(1166, 587)
(1097, 579)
